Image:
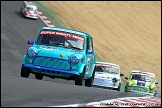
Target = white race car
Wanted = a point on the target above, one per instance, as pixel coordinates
(30, 10)
(107, 75)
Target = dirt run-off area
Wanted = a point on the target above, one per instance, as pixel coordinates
(127, 33)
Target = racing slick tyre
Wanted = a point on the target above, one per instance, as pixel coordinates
(89, 82)
(118, 89)
(25, 72)
(125, 89)
(155, 94)
(20, 12)
(79, 79)
(38, 76)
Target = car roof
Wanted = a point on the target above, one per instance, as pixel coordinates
(107, 63)
(67, 30)
(30, 4)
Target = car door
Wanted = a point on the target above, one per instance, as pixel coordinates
(90, 56)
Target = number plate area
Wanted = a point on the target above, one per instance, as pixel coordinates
(139, 89)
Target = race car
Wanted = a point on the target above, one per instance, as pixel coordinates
(107, 75)
(142, 82)
(29, 10)
(60, 53)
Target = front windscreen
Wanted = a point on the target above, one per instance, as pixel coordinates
(53, 38)
(32, 9)
(107, 68)
(142, 77)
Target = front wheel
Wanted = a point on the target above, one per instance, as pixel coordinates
(155, 94)
(89, 82)
(39, 76)
(20, 11)
(79, 79)
(118, 89)
(24, 72)
(125, 90)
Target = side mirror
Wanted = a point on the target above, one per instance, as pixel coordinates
(121, 74)
(156, 82)
(89, 51)
(30, 42)
(126, 78)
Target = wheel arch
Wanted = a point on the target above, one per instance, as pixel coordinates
(23, 60)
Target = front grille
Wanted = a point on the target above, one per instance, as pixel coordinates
(52, 63)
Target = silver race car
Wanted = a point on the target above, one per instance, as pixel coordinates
(107, 75)
(30, 10)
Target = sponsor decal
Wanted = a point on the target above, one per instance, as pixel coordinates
(144, 74)
(141, 83)
(63, 34)
(109, 66)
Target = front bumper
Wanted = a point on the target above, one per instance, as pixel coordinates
(139, 92)
(41, 68)
(32, 16)
(105, 83)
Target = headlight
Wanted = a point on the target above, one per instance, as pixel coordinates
(74, 59)
(114, 80)
(151, 87)
(130, 84)
(32, 52)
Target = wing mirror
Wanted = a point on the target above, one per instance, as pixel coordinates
(30, 42)
(156, 82)
(121, 74)
(89, 51)
(126, 78)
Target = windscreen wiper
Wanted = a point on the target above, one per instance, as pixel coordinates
(50, 44)
(73, 47)
(57, 44)
(105, 69)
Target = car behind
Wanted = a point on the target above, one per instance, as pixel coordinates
(29, 10)
(142, 82)
(107, 75)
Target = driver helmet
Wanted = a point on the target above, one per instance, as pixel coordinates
(54, 39)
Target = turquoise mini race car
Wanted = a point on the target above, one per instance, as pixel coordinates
(142, 82)
(60, 53)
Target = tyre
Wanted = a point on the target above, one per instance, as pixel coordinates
(118, 89)
(20, 11)
(24, 15)
(25, 72)
(79, 79)
(39, 76)
(125, 89)
(155, 94)
(89, 82)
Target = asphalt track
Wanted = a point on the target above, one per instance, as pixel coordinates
(29, 92)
